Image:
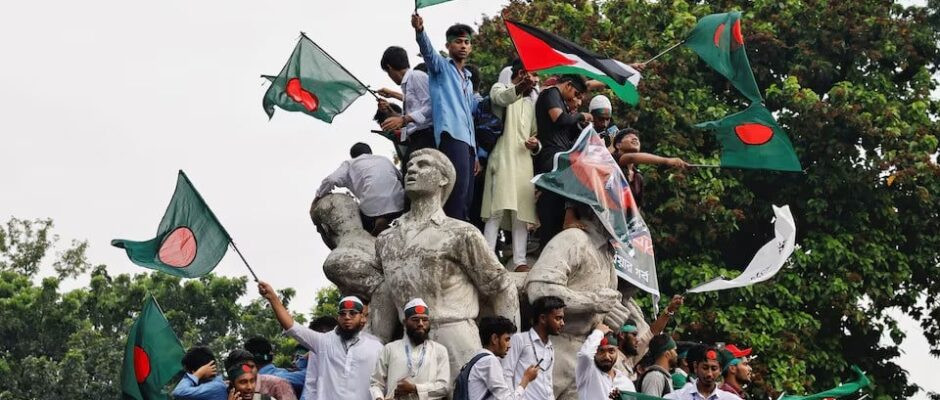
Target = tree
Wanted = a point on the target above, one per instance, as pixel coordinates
(327, 302)
(851, 83)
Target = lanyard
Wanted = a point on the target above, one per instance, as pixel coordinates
(413, 371)
(538, 360)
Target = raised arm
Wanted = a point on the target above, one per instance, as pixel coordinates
(503, 95)
(306, 336)
(432, 59)
(339, 178)
(651, 159)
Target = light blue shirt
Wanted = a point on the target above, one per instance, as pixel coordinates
(189, 388)
(295, 378)
(452, 99)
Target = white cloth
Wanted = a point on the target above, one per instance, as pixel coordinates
(343, 373)
(600, 102)
(592, 383)
(520, 235)
(373, 179)
(417, 301)
(526, 349)
(430, 364)
(310, 379)
(417, 101)
(505, 76)
(690, 392)
(486, 376)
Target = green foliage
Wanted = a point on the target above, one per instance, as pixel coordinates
(850, 82)
(327, 302)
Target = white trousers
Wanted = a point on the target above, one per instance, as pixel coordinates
(520, 235)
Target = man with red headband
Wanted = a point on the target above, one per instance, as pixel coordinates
(595, 373)
(705, 363)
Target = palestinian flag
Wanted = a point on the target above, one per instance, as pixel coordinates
(752, 139)
(861, 381)
(589, 174)
(718, 40)
(426, 3)
(152, 355)
(313, 83)
(190, 241)
(551, 54)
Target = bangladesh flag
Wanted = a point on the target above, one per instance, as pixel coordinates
(752, 139)
(718, 40)
(546, 52)
(426, 3)
(190, 241)
(152, 355)
(313, 83)
(589, 174)
(861, 381)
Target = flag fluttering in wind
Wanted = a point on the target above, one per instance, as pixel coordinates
(190, 240)
(768, 260)
(752, 139)
(718, 40)
(152, 355)
(313, 83)
(549, 53)
(589, 174)
(861, 381)
(427, 3)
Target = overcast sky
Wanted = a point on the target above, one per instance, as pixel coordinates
(103, 101)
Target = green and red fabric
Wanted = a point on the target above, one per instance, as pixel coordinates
(752, 139)
(861, 381)
(552, 54)
(152, 355)
(426, 3)
(718, 40)
(313, 83)
(589, 174)
(637, 396)
(190, 240)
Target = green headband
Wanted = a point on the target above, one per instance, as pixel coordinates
(451, 38)
(627, 328)
(669, 345)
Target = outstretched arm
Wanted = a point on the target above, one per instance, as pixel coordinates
(652, 159)
(306, 336)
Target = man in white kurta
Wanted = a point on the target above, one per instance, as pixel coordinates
(595, 374)
(413, 367)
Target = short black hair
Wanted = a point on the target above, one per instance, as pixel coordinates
(697, 354)
(517, 66)
(237, 357)
(381, 116)
(474, 76)
(196, 357)
(576, 80)
(421, 67)
(495, 325)
(458, 30)
(545, 305)
(359, 149)
(395, 58)
(658, 341)
(323, 324)
(623, 133)
(261, 348)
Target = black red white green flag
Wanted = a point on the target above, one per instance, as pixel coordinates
(190, 241)
(549, 53)
(152, 355)
(589, 174)
(313, 83)
(752, 139)
(718, 40)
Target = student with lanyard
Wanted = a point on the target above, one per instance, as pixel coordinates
(534, 347)
(482, 377)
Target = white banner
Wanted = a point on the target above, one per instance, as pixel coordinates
(768, 260)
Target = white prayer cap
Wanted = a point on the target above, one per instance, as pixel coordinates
(600, 102)
(416, 306)
(505, 76)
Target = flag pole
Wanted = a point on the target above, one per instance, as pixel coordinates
(705, 165)
(232, 242)
(664, 51)
(341, 67)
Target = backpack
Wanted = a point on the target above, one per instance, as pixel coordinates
(461, 384)
(667, 387)
(487, 126)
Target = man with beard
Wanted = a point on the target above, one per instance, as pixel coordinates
(736, 369)
(635, 339)
(344, 358)
(595, 373)
(704, 362)
(534, 347)
(412, 367)
(657, 380)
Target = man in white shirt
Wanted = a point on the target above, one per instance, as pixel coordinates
(483, 377)
(413, 367)
(344, 357)
(375, 182)
(416, 117)
(595, 374)
(534, 347)
(704, 362)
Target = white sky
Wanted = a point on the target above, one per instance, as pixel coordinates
(103, 101)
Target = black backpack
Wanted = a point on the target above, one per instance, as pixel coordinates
(487, 126)
(667, 388)
(461, 388)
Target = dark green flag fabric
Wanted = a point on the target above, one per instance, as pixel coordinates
(426, 3)
(190, 240)
(718, 40)
(861, 381)
(637, 396)
(152, 355)
(312, 83)
(752, 139)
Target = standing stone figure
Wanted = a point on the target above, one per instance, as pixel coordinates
(444, 261)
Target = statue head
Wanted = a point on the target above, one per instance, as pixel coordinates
(335, 215)
(429, 173)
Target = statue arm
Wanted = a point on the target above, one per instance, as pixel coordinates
(490, 278)
(549, 277)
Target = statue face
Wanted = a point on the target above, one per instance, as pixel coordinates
(424, 177)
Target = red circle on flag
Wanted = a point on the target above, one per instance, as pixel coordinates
(754, 134)
(178, 249)
(736, 32)
(296, 92)
(141, 364)
(718, 31)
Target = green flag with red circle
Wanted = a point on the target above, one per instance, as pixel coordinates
(752, 139)
(152, 356)
(190, 241)
(718, 40)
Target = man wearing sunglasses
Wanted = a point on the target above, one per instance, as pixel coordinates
(534, 347)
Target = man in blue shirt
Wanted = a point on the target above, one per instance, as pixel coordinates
(201, 381)
(263, 353)
(452, 104)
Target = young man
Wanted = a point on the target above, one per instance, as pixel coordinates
(201, 381)
(242, 384)
(415, 121)
(452, 103)
(657, 380)
(635, 343)
(375, 181)
(704, 361)
(595, 373)
(344, 358)
(628, 155)
(534, 347)
(482, 377)
(269, 385)
(263, 353)
(413, 367)
(735, 369)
